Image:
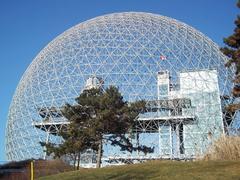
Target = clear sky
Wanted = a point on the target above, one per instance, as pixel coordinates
(26, 26)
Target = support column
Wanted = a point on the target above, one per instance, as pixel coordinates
(170, 143)
(159, 139)
(47, 140)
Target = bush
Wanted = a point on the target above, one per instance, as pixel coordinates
(48, 167)
(225, 148)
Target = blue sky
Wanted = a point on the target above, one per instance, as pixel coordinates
(27, 26)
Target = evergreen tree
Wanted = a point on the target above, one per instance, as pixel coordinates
(111, 119)
(99, 116)
(232, 51)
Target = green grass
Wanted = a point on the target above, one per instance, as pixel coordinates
(158, 170)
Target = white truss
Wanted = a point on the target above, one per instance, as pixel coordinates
(127, 50)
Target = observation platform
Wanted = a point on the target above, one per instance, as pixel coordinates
(169, 103)
(52, 120)
(171, 119)
(146, 124)
(51, 127)
(179, 111)
(47, 112)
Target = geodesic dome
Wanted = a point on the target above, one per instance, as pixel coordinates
(175, 68)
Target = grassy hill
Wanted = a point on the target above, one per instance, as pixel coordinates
(158, 170)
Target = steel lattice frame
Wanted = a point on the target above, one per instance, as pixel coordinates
(132, 51)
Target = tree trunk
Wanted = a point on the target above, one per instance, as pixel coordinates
(99, 154)
(74, 161)
(78, 162)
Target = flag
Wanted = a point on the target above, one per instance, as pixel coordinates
(163, 57)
